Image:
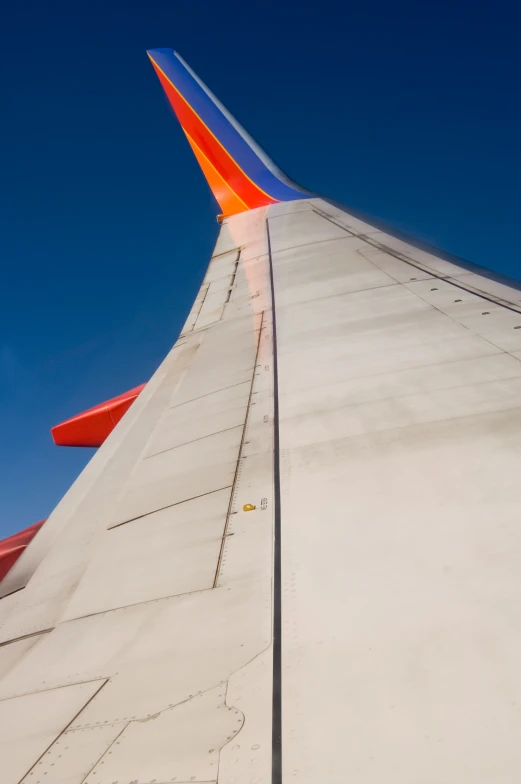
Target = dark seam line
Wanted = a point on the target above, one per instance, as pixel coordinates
(416, 242)
(408, 369)
(443, 278)
(221, 323)
(104, 678)
(332, 220)
(136, 604)
(177, 503)
(295, 212)
(200, 306)
(411, 425)
(207, 394)
(15, 590)
(319, 242)
(186, 333)
(444, 313)
(416, 265)
(239, 457)
(344, 294)
(194, 440)
(232, 282)
(60, 734)
(224, 252)
(452, 388)
(107, 750)
(26, 636)
(276, 726)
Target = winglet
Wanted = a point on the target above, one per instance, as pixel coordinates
(12, 547)
(240, 174)
(93, 427)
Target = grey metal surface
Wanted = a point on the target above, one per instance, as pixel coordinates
(400, 435)
(140, 589)
(182, 743)
(74, 755)
(167, 553)
(31, 724)
(399, 427)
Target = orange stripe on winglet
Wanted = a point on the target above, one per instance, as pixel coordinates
(228, 201)
(229, 171)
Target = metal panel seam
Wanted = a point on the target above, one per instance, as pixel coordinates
(421, 267)
(276, 738)
(241, 446)
(68, 725)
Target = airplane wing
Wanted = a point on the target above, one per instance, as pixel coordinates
(296, 556)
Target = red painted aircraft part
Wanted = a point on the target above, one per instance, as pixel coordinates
(91, 427)
(12, 547)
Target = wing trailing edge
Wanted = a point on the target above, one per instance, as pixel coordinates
(239, 173)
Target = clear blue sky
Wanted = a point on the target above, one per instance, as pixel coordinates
(409, 111)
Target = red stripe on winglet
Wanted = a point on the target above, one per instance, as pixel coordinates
(92, 427)
(12, 547)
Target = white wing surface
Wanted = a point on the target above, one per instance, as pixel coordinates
(296, 558)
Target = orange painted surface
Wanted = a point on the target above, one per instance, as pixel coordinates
(12, 547)
(92, 427)
(229, 202)
(216, 156)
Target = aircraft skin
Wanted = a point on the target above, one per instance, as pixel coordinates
(296, 556)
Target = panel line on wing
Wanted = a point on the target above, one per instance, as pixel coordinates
(208, 394)
(193, 440)
(102, 681)
(26, 636)
(276, 739)
(137, 604)
(241, 447)
(422, 267)
(168, 506)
